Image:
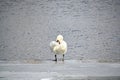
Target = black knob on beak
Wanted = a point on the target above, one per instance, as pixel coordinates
(58, 41)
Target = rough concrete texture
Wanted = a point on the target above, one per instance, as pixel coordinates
(90, 27)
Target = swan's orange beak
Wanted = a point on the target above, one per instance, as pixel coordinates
(58, 41)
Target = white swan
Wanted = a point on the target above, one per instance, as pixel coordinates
(59, 46)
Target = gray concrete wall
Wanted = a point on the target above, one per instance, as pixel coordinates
(90, 27)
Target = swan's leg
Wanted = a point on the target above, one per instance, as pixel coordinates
(55, 57)
(63, 57)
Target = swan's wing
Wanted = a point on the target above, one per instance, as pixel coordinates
(62, 48)
(63, 45)
(53, 44)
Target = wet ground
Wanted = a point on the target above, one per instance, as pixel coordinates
(50, 70)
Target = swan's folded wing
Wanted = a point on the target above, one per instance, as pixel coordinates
(53, 44)
(63, 47)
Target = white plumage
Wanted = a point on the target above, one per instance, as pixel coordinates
(59, 46)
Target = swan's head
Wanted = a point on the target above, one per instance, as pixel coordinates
(59, 39)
